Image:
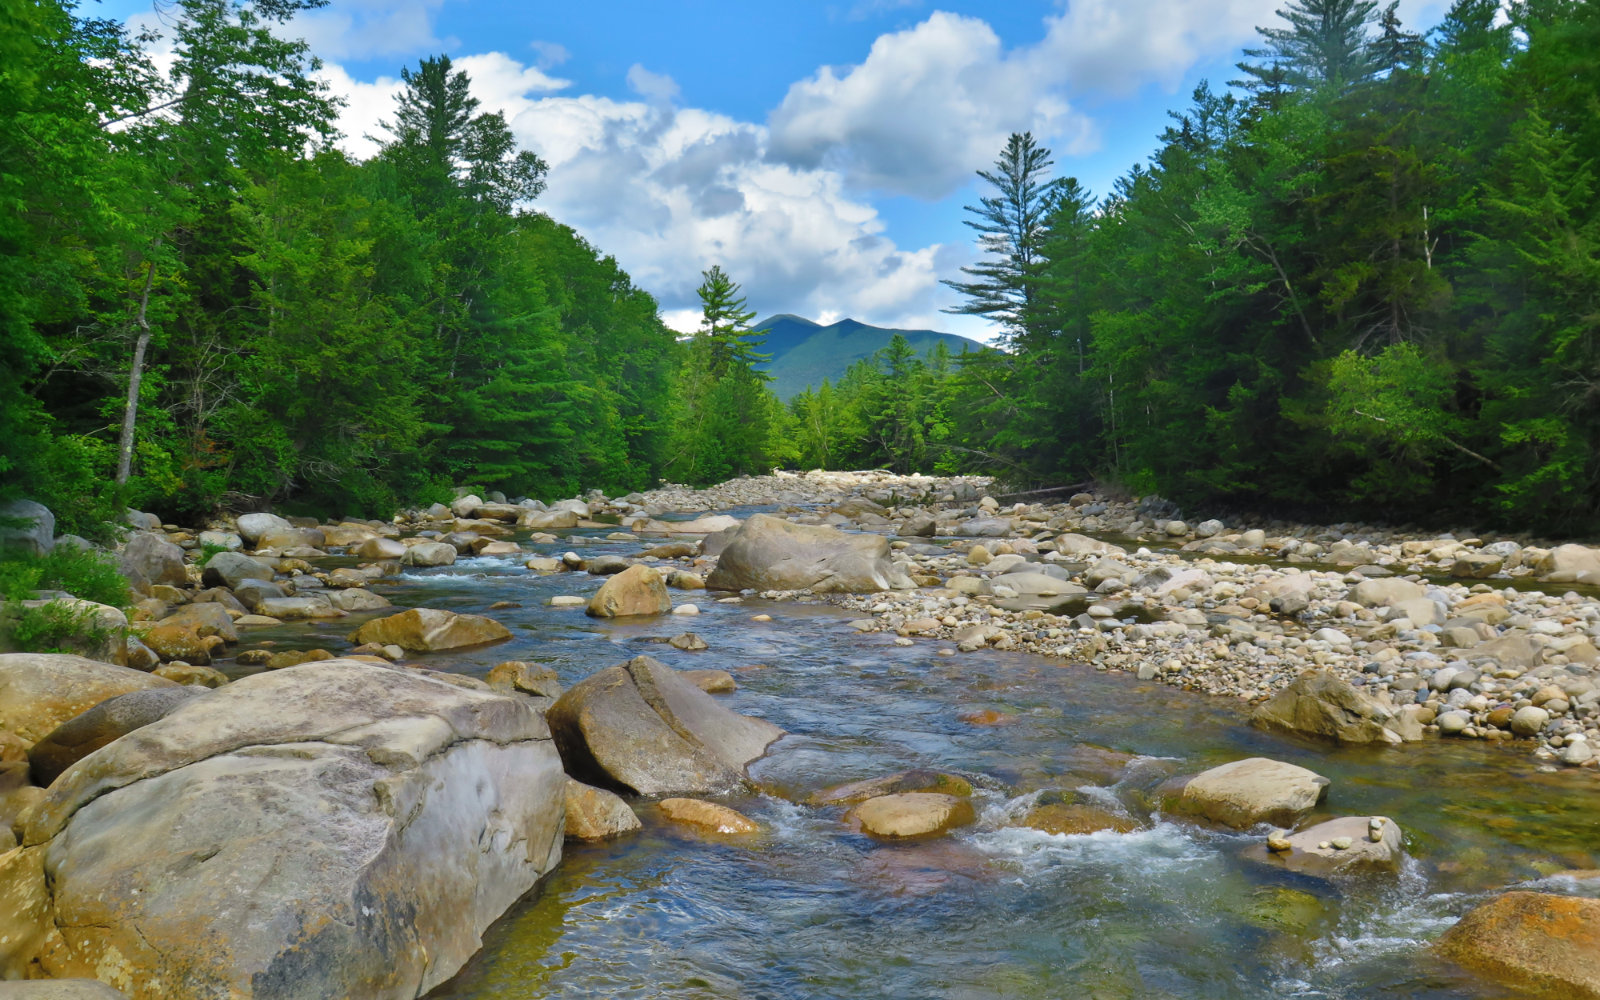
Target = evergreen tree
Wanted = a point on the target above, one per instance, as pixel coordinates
(1004, 288)
(1326, 46)
(728, 416)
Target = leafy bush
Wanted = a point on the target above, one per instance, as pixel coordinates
(85, 573)
(53, 627)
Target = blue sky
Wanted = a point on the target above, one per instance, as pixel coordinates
(820, 152)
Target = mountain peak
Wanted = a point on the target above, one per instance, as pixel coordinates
(804, 352)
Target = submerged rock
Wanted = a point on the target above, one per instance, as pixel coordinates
(338, 829)
(707, 816)
(905, 781)
(769, 553)
(644, 727)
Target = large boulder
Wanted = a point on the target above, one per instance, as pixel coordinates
(40, 691)
(1072, 544)
(232, 569)
(430, 554)
(643, 728)
(99, 631)
(769, 553)
(1318, 703)
(637, 590)
(427, 630)
(113, 718)
(1243, 793)
(1031, 591)
(1386, 592)
(337, 829)
(1535, 941)
(150, 559)
(553, 520)
(253, 527)
(36, 531)
(208, 618)
(1571, 562)
(380, 548)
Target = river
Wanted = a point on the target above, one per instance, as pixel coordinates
(810, 909)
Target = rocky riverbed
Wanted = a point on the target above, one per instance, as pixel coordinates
(1490, 639)
(906, 652)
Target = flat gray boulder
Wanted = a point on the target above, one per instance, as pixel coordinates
(769, 553)
(149, 558)
(232, 569)
(335, 829)
(643, 727)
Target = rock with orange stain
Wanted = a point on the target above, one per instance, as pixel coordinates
(911, 814)
(708, 816)
(1072, 818)
(985, 717)
(1535, 941)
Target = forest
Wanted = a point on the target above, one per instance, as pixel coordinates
(1361, 279)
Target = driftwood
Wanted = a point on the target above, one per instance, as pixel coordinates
(1072, 488)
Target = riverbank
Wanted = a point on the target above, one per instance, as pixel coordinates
(1471, 630)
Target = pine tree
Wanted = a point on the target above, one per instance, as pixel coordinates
(1325, 46)
(1012, 224)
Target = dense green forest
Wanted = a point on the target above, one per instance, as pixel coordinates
(1365, 280)
(1363, 277)
(289, 326)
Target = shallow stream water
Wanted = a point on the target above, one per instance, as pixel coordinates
(810, 909)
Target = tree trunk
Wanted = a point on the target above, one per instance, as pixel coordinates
(130, 415)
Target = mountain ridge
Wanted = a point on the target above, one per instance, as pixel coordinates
(804, 352)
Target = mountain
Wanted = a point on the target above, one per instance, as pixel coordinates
(804, 353)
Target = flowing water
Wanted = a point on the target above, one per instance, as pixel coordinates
(810, 909)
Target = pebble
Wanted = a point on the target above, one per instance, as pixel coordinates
(567, 601)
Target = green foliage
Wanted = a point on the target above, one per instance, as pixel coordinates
(83, 573)
(311, 332)
(729, 423)
(52, 627)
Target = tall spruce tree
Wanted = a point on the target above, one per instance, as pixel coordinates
(1326, 46)
(1011, 223)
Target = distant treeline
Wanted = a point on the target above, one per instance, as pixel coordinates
(1365, 280)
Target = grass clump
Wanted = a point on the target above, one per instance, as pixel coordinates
(59, 626)
(84, 573)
